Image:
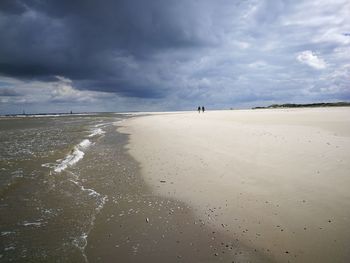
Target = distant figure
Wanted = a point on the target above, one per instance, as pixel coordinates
(203, 109)
(199, 109)
(71, 112)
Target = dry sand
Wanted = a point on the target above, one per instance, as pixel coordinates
(276, 180)
(137, 225)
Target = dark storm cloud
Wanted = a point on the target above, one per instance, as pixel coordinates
(6, 92)
(168, 54)
(82, 40)
(12, 7)
(125, 87)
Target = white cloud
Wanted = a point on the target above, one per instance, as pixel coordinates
(309, 58)
(59, 91)
(241, 44)
(63, 79)
(258, 64)
(63, 90)
(332, 35)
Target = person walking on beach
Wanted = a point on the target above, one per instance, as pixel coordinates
(199, 109)
(203, 109)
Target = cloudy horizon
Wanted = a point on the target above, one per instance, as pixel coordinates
(131, 55)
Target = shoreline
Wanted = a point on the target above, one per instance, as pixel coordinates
(274, 179)
(138, 225)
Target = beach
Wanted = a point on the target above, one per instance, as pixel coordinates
(265, 185)
(71, 192)
(273, 181)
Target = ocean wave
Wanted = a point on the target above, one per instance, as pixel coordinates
(35, 224)
(85, 143)
(101, 124)
(75, 156)
(6, 233)
(97, 131)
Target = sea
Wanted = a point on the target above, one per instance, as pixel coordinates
(50, 170)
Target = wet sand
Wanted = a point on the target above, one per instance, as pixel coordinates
(138, 225)
(276, 181)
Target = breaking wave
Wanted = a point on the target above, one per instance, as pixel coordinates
(75, 156)
(97, 131)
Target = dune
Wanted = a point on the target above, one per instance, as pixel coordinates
(277, 180)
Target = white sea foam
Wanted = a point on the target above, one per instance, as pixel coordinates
(71, 159)
(103, 124)
(9, 248)
(91, 192)
(6, 233)
(100, 124)
(75, 156)
(97, 131)
(36, 224)
(85, 143)
(81, 241)
(48, 165)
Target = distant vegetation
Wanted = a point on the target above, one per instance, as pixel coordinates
(309, 105)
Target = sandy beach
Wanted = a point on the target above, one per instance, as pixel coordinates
(274, 181)
(137, 224)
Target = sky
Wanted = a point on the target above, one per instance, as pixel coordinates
(163, 55)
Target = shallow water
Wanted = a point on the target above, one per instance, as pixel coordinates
(70, 192)
(46, 209)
